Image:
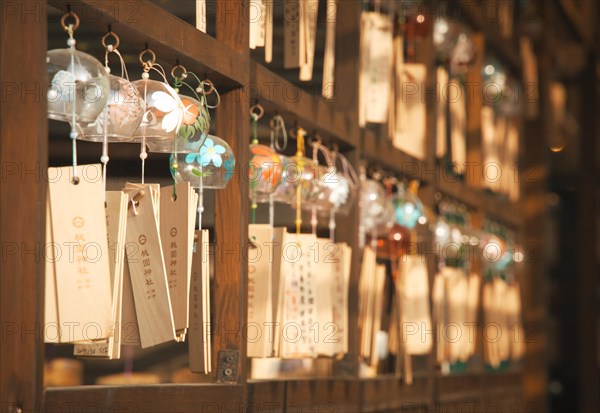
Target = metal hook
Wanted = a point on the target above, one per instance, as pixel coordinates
(257, 111)
(111, 34)
(179, 67)
(149, 62)
(63, 21)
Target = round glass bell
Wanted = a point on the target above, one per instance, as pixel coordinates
(408, 208)
(121, 117)
(265, 172)
(195, 125)
(297, 172)
(77, 83)
(441, 231)
(214, 165)
(330, 191)
(387, 218)
(163, 111)
(372, 203)
(397, 241)
(343, 194)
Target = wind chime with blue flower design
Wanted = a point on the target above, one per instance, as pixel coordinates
(203, 160)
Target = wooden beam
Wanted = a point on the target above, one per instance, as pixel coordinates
(141, 22)
(579, 20)
(182, 398)
(23, 159)
(232, 120)
(308, 109)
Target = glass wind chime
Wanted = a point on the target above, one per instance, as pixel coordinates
(205, 161)
(79, 86)
(124, 109)
(265, 166)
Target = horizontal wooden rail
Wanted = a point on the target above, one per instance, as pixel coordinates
(140, 23)
(305, 107)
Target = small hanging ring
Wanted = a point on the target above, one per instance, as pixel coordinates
(148, 62)
(63, 21)
(257, 111)
(116, 39)
(376, 172)
(275, 126)
(316, 141)
(183, 72)
(292, 132)
(211, 87)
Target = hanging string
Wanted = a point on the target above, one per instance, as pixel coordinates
(200, 199)
(361, 226)
(104, 158)
(349, 173)
(314, 222)
(318, 147)
(256, 113)
(277, 125)
(73, 134)
(110, 48)
(300, 151)
(148, 65)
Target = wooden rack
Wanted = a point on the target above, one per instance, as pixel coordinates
(225, 59)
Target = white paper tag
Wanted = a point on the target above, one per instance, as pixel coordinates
(199, 331)
(328, 87)
(413, 286)
(201, 15)
(410, 131)
(260, 284)
(291, 34)
(116, 220)
(147, 268)
(81, 266)
(308, 36)
(376, 67)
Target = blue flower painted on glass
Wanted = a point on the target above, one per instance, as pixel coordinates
(211, 153)
(229, 168)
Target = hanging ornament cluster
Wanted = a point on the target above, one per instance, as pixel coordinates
(298, 180)
(151, 294)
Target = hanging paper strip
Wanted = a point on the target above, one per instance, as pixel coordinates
(201, 15)
(375, 67)
(257, 15)
(308, 36)
(411, 110)
(291, 34)
(328, 87)
(116, 219)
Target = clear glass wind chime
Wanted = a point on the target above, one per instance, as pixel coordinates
(203, 160)
(265, 167)
(163, 109)
(124, 109)
(79, 85)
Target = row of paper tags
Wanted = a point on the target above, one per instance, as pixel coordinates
(451, 311)
(124, 267)
(297, 294)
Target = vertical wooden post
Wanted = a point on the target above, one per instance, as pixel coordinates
(534, 212)
(346, 100)
(231, 206)
(426, 55)
(587, 288)
(474, 95)
(23, 162)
